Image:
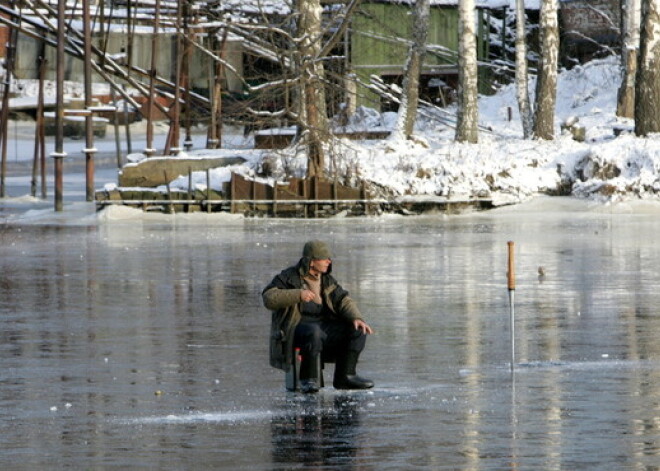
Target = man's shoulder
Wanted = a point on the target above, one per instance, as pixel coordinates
(292, 270)
(289, 275)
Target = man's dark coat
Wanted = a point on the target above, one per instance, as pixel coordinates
(282, 296)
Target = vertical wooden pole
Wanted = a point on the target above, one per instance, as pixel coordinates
(4, 112)
(89, 118)
(174, 136)
(253, 194)
(59, 153)
(149, 151)
(275, 198)
(39, 124)
(190, 192)
(315, 189)
(334, 192)
(130, 24)
(511, 284)
(127, 127)
(115, 126)
(41, 132)
(187, 83)
(208, 190)
(305, 184)
(169, 193)
(232, 193)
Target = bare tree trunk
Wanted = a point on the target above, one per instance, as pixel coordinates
(647, 85)
(546, 83)
(315, 115)
(412, 70)
(625, 106)
(217, 44)
(468, 111)
(522, 92)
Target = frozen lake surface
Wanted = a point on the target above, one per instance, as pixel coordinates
(134, 341)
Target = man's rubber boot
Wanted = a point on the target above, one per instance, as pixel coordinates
(309, 374)
(345, 376)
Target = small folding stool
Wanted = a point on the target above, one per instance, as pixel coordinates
(292, 377)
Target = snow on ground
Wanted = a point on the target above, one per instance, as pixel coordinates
(502, 166)
(505, 166)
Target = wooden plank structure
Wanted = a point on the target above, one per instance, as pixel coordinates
(295, 198)
(298, 198)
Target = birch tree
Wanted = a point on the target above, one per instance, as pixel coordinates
(522, 92)
(313, 109)
(297, 42)
(468, 112)
(546, 84)
(625, 106)
(647, 85)
(412, 70)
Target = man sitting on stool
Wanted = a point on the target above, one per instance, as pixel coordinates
(311, 311)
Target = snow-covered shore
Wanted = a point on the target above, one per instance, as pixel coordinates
(508, 168)
(503, 166)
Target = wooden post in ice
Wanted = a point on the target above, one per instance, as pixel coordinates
(89, 118)
(511, 283)
(59, 153)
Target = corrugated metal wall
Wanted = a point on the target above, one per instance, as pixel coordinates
(375, 49)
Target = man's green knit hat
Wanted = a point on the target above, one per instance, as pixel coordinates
(317, 250)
